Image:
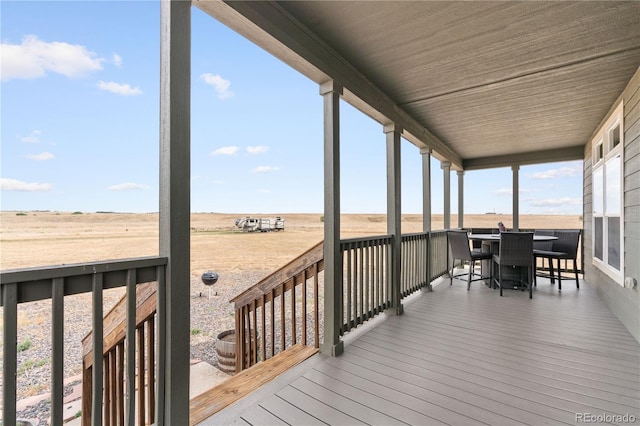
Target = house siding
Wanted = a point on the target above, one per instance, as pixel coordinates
(623, 302)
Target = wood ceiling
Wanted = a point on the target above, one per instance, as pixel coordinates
(484, 84)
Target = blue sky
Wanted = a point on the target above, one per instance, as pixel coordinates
(79, 116)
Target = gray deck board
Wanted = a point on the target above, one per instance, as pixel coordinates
(348, 405)
(517, 366)
(461, 357)
(260, 416)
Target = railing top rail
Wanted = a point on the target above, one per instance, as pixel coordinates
(417, 234)
(35, 283)
(61, 271)
(314, 255)
(365, 239)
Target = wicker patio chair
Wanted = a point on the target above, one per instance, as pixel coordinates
(460, 250)
(565, 247)
(516, 250)
(541, 246)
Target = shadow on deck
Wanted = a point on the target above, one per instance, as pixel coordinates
(463, 357)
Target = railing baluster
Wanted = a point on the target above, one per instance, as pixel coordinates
(57, 350)
(374, 284)
(315, 308)
(151, 361)
(349, 273)
(161, 303)
(264, 327)
(304, 308)
(367, 278)
(293, 311)
(239, 339)
(141, 374)
(108, 392)
(282, 319)
(119, 366)
(273, 321)
(361, 283)
(254, 333)
(131, 348)
(9, 351)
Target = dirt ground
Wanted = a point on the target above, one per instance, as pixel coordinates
(33, 239)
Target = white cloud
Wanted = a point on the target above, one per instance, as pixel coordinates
(34, 58)
(127, 186)
(119, 88)
(509, 191)
(43, 156)
(504, 191)
(117, 60)
(34, 137)
(554, 202)
(260, 149)
(226, 150)
(265, 169)
(556, 173)
(220, 85)
(18, 185)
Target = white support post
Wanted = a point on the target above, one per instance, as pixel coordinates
(426, 189)
(426, 208)
(394, 213)
(460, 199)
(516, 198)
(332, 345)
(446, 170)
(175, 210)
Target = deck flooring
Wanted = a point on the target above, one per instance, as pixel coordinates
(458, 357)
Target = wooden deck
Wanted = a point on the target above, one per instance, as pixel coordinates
(464, 358)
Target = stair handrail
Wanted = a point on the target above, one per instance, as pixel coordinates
(248, 341)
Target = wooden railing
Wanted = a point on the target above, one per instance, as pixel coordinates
(55, 283)
(278, 312)
(438, 254)
(366, 279)
(113, 361)
(414, 272)
(284, 308)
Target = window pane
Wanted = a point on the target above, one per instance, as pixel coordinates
(613, 240)
(597, 238)
(598, 196)
(613, 195)
(615, 136)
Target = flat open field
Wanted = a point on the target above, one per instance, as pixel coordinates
(52, 238)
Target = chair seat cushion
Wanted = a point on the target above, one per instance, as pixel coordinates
(479, 255)
(554, 254)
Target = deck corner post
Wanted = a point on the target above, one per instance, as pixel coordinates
(460, 199)
(426, 210)
(516, 197)
(175, 209)
(394, 214)
(333, 303)
(446, 172)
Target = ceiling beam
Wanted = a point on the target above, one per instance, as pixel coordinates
(537, 157)
(273, 29)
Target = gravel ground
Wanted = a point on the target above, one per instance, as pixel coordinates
(211, 314)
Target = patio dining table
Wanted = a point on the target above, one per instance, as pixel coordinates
(490, 244)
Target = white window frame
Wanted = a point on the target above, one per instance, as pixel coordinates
(603, 151)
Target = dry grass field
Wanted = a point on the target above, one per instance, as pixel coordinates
(51, 238)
